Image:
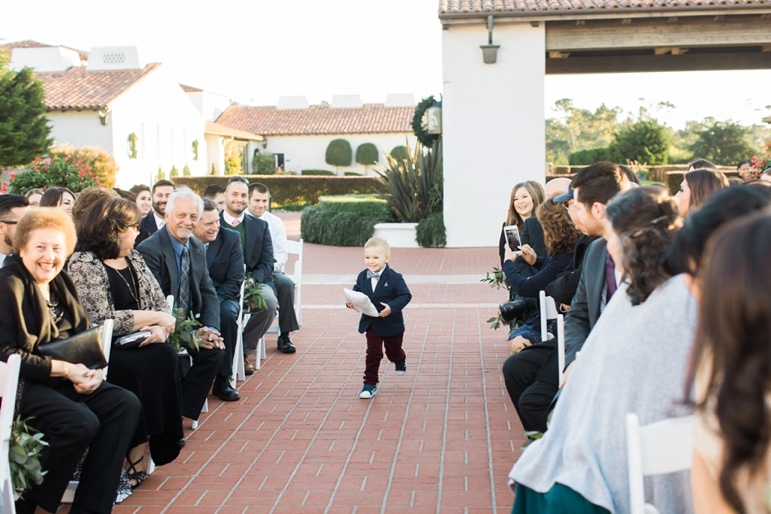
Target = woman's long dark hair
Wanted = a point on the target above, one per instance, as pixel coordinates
(645, 219)
(734, 330)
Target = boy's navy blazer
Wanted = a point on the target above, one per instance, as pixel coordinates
(390, 289)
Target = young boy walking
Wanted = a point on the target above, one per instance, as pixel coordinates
(389, 293)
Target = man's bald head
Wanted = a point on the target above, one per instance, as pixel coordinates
(556, 186)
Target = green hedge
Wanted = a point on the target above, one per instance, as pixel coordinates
(292, 189)
(343, 220)
(430, 232)
(316, 172)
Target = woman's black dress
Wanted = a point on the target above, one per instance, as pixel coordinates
(150, 372)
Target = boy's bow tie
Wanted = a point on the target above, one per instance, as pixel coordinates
(372, 275)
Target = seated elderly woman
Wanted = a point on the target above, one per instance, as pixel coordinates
(634, 360)
(68, 402)
(113, 281)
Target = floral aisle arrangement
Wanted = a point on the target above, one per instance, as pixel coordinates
(185, 333)
(254, 299)
(45, 172)
(24, 452)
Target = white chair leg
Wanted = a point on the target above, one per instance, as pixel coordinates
(260, 354)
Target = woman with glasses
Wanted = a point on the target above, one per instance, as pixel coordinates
(113, 281)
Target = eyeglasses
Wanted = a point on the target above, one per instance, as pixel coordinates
(9, 222)
(237, 179)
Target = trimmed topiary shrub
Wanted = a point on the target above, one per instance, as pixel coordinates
(316, 172)
(430, 232)
(343, 220)
(287, 189)
(400, 153)
(339, 153)
(366, 154)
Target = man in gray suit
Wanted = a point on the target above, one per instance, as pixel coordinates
(178, 262)
(531, 375)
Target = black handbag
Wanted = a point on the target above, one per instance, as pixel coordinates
(131, 341)
(83, 348)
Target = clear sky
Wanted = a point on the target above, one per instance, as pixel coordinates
(257, 50)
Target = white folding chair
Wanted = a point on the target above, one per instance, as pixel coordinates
(9, 381)
(549, 312)
(293, 248)
(69, 493)
(657, 448)
(238, 351)
(296, 248)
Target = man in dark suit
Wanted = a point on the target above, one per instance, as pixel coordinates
(225, 262)
(531, 376)
(154, 219)
(178, 262)
(258, 258)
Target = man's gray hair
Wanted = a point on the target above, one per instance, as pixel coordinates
(187, 193)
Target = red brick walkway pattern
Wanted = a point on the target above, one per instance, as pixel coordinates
(440, 439)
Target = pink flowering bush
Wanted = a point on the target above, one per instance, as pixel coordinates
(52, 172)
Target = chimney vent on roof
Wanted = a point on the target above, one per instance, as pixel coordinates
(400, 100)
(114, 58)
(49, 58)
(346, 102)
(286, 103)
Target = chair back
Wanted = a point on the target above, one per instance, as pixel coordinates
(296, 248)
(107, 342)
(9, 382)
(657, 448)
(549, 312)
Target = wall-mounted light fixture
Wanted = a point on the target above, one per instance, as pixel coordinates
(104, 114)
(434, 115)
(489, 51)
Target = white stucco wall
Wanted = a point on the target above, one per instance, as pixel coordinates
(209, 105)
(309, 152)
(79, 128)
(166, 122)
(493, 126)
(162, 116)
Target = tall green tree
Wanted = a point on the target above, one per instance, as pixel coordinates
(24, 128)
(724, 142)
(574, 129)
(644, 142)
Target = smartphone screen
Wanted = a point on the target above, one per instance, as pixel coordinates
(512, 237)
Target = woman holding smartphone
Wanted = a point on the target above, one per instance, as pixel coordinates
(525, 199)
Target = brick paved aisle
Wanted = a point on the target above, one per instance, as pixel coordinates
(440, 439)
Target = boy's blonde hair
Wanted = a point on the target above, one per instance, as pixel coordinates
(380, 243)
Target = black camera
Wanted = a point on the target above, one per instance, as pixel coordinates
(516, 309)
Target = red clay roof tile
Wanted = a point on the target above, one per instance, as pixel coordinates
(481, 8)
(318, 120)
(80, 89)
